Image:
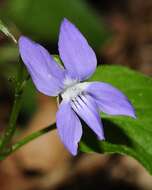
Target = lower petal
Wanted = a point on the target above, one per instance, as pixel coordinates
(87, 110)
(69, 127)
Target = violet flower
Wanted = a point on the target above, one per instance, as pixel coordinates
(79, 99)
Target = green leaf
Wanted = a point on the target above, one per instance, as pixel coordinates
(5, 30)
(125, 135)
(40, 20)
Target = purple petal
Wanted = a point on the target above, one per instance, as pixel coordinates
(78, 57)
(86, 108)
(46, 74)
(69, 127)
(110, 100)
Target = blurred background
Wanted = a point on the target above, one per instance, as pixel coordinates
(120, 33)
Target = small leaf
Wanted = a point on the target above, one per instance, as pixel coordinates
(125, 135)
(4, 29)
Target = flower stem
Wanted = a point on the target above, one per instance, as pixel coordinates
(32, 136)
(26, 140)
(10, 129)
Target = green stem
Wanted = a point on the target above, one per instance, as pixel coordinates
(12, 123)
(27, 139)
(10, 129)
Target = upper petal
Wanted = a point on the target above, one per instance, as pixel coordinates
(87, 109)
(69, 127)
(110, 100)
(46, 74)
(78, 57)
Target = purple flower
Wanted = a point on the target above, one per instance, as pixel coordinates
(79, 99)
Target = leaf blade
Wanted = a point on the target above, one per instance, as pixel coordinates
(125, 135)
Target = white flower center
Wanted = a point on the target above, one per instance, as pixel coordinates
(73, 89)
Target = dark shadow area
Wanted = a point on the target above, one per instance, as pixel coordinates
(109, 6)
(113, 134)
(32, 173)
(102, 178)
